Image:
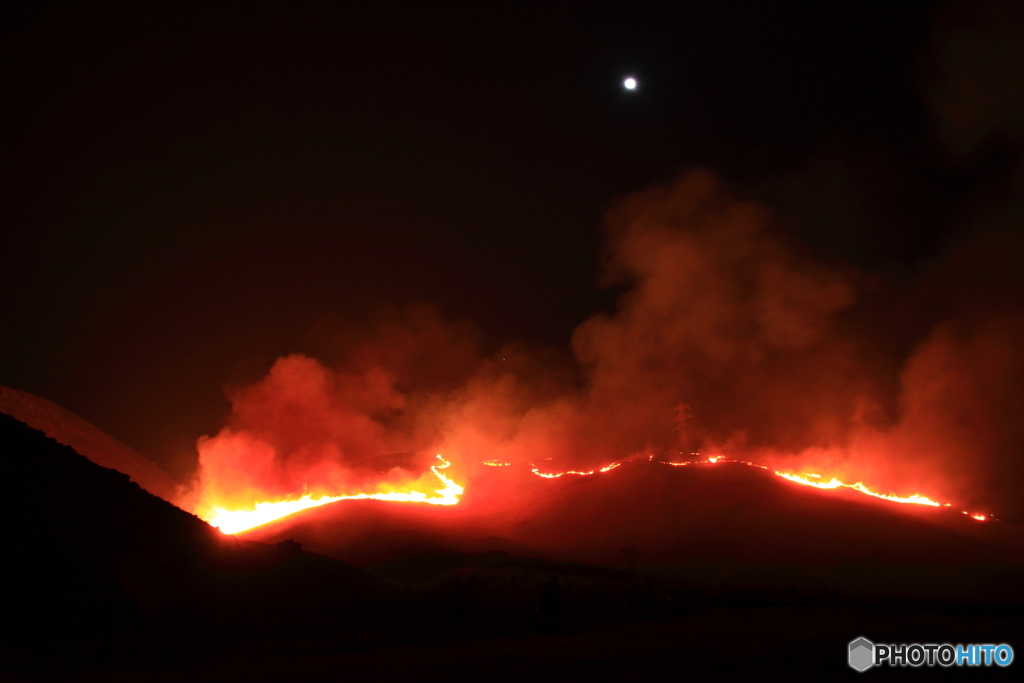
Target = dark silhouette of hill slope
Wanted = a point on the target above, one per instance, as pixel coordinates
(71, 430)
(718, 524)
(87, 550)
(369, 532)
(734, 524)
(106, 580)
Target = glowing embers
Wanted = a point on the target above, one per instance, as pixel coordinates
(234, 521)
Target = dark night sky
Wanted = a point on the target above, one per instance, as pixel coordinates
(189, 191)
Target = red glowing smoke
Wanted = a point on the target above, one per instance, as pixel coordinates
(721, 314)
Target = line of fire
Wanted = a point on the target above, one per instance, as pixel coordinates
(234, 521)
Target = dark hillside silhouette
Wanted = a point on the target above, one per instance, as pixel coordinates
(102, 576)
(71, 430)
(739, 525)
(724, 524)
(88, 552)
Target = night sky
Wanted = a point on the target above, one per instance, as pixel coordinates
(190, 191)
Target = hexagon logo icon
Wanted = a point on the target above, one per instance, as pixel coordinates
(862, 654)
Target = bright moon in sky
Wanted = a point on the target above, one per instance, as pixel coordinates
(629, 83)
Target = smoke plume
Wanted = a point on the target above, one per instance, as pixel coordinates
(730, 337)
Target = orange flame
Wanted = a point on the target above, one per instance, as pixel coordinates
(802, 479)
(805, 480)
(917, 498)
(234, 521)
(556, 475)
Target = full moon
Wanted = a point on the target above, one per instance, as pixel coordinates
(629, 83)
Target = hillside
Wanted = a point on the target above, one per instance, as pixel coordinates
(106, 580)
(69, 429)
(712, 525)
(88, 551)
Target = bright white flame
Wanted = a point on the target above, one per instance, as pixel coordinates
(629, 83)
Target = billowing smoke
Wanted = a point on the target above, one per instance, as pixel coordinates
(777, 356)
(957, 437)
(721, 315)
(347, 429)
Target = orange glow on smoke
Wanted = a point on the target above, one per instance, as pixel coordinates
(716, 304)
(234, 521)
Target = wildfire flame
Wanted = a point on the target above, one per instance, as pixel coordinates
(234, 521)
(556, 475)
(859, 486)
(805, 480)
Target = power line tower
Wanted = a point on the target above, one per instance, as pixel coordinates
(683, 419)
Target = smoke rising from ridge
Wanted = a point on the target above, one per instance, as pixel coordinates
(721, 313)
(782, 358)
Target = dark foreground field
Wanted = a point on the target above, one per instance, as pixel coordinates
(712, 642)
(104, 581)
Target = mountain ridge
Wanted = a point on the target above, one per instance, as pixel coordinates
(69, 429)
(707, 524)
